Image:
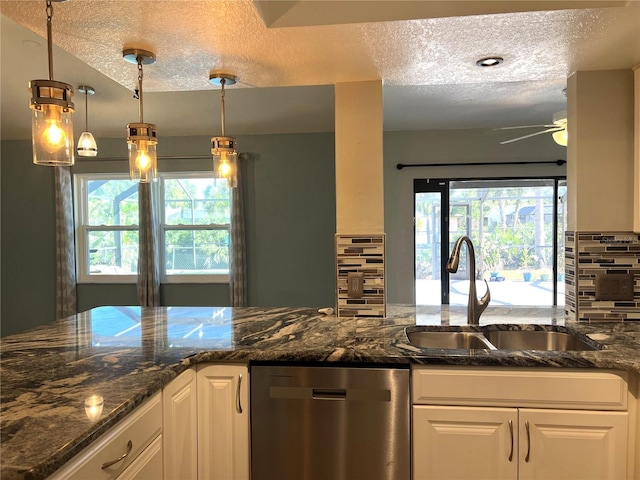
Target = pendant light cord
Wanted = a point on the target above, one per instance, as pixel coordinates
(139, 59)
(86, 109)
(222, 82)
(49, 36)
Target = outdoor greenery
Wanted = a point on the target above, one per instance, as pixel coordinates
(511, 228)
(188, 202)
(113, 203)
(197, 202)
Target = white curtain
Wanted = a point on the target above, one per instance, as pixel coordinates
(148, 258)
(66, 303)
(237, 247)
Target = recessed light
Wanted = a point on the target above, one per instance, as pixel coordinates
(489, 61)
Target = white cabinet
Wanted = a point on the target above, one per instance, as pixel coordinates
(566, 445)
(509, 443)
(223, 422)
(564, 439)
(180, 423)
(464, 443)
(130, 450)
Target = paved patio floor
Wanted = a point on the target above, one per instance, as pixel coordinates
(536, 293)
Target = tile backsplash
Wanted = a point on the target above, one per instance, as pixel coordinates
(364, 254)
(589, 254)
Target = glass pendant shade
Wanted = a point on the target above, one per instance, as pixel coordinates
(143, 159)
(52, 123)
(87, 145)
(225, 159)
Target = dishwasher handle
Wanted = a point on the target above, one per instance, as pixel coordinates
(329, 394)
(324, 393)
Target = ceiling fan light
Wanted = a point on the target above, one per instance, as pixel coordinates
(560, 137)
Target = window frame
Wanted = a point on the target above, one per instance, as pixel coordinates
(82, 229)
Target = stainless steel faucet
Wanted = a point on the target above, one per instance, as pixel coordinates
(475, 306)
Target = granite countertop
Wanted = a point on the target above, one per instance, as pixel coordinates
(126, 354)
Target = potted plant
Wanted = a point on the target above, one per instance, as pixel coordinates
(491, 260)
(526, 259)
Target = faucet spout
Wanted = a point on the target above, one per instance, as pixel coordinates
(475, 307)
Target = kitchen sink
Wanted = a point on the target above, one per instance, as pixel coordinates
(537, 340)
(492, 338)
(449, 340)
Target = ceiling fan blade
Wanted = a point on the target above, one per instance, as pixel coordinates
(525, 126)
(548, 130)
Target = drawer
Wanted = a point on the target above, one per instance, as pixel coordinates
(140, 427)
(148, 465)
(521, 387)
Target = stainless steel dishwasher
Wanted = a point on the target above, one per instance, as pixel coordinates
(329, 423)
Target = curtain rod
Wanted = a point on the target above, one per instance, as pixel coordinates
(400, 166)
(166, 157)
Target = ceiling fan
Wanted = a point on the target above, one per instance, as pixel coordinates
(558, 129)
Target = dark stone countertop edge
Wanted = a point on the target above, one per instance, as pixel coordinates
(391, 350)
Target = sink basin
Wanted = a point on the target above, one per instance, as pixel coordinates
(491, 338)
(449, 340)
(537, 340)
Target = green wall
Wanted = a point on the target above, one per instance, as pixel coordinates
(290, 208)
(446, 147)
(28, 240)
(290, 223)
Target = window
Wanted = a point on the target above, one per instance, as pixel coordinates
(194, 218)
(195, 215)
(517, 227)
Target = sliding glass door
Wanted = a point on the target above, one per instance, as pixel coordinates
(431, 232)
(516, 226)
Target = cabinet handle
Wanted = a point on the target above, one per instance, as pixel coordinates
(511, 433)
(124, 455)
(238, 402)
(526, 426)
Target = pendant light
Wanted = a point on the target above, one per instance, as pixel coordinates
(86, 143)
(225, 157)
(141, 137)
(52, 110)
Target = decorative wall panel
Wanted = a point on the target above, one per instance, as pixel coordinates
(590, 254)
(364, 254)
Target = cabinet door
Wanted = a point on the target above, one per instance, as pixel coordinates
(464, 443)
(573, 445)
(223, 418)
(179, 402)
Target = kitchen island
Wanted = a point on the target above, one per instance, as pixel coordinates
(126, 354)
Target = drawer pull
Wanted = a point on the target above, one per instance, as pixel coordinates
(238, 403)
(511, 432)
(124, 455)
(526, 426)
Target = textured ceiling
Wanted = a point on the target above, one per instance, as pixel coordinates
(286, 72)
